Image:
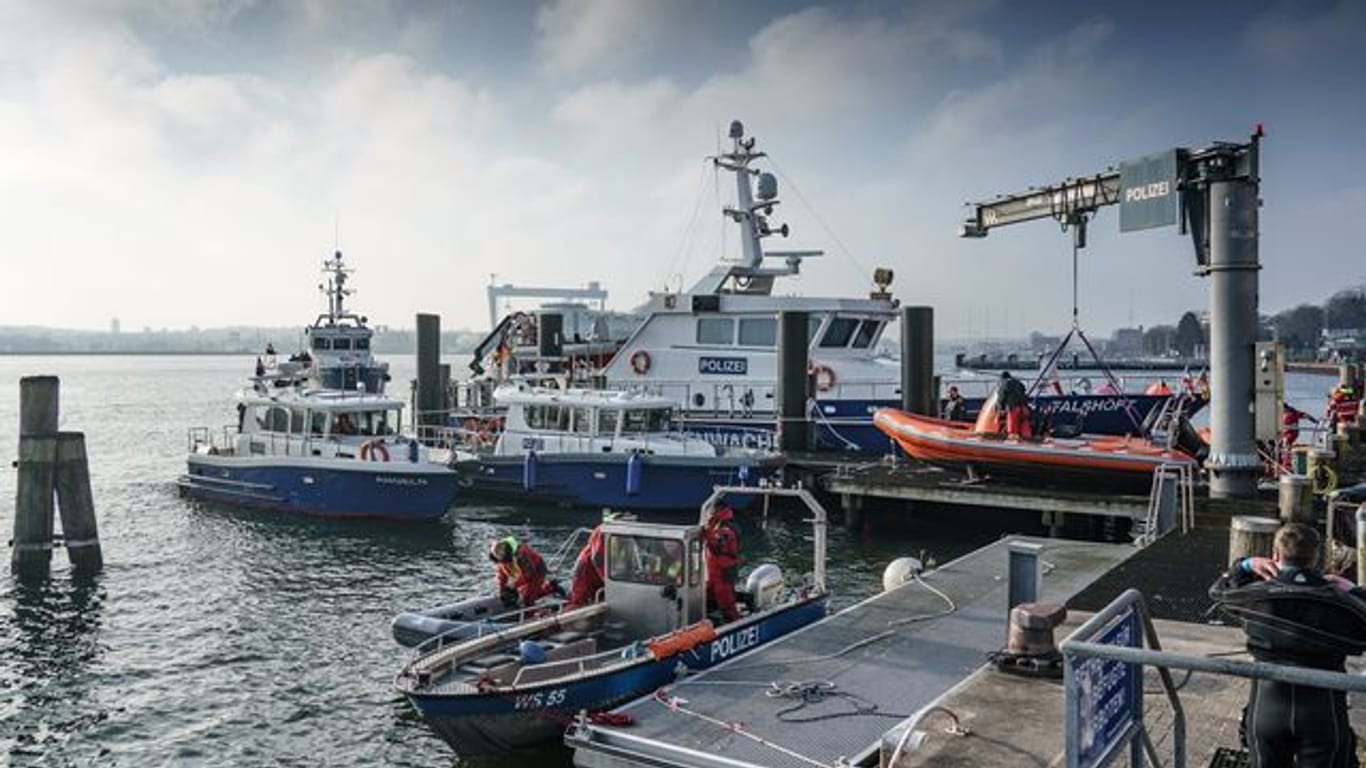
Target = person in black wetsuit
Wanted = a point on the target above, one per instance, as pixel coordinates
(1295, 616)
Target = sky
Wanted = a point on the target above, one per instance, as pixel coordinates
(192, 162)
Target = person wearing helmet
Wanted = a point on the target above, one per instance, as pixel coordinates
(520, 573)
(722, 542)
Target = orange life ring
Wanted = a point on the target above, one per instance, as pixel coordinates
(375, 450)
(640, 362)
(824, 376)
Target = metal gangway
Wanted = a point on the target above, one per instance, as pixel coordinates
(1104, 662)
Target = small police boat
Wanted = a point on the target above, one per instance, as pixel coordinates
(601, 448)
(508, 686)
(316, 434)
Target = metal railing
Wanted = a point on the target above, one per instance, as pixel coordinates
(1103, 670)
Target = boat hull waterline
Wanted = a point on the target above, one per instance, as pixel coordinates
(400, 490)
(477, 723)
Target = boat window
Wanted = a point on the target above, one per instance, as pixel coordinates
(867, 331)
(813, 324)
(558, 418)
(695, 562)
(583, 421)
(715, 330)
(274, 419)
(317, 422)
(652, 420)
(644, 559)
(320, 342)
(341, 343)
(297, 417)
(534, 415)
(758, 331)
(362, 344)
(343, 424)
(607, 422)
(839, 332)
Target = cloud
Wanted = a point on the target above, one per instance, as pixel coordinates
(577, 36)
(1289, 33)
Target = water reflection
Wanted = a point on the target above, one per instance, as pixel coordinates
(49, 644)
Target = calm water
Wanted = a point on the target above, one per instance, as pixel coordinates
(222, 637)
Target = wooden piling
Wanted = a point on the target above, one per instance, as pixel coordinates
(38, 402)
(1250, 537)
(33, 503)
(77, 504)
(794, 381)
(917, 361)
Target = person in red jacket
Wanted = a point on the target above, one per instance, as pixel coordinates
(520, 573)
(722, 542)
(588, 572)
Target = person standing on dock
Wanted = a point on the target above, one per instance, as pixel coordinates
(955, 407)
(520, 573)
(723, 561)
(1295, 616)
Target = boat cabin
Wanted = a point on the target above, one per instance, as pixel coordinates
(655, 581)
(316, 423)
(552, 420)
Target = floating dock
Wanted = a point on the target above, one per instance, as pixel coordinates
(830, 692)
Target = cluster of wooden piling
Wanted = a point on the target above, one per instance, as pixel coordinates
(53, 472)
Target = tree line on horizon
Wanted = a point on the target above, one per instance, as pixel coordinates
(1300, 329)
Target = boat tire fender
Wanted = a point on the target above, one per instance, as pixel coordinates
(375, 450)
(640, 362)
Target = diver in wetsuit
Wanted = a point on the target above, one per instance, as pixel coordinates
(1295, 616)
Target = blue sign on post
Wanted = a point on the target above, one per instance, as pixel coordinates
(1107, 703)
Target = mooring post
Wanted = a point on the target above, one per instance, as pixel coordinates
(1250, 536)
(33, 498)
(794, 428)
(428, 406)
(1296, 500)
(77, 504)
(1024, 573)
(918, 394)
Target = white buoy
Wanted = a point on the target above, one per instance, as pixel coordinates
(900, 571)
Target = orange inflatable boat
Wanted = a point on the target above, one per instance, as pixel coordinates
(1089, 459)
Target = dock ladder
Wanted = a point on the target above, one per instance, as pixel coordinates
(1168, 474)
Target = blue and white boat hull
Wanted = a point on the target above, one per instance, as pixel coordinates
(655, 482)
(319, 487)
(493, 722)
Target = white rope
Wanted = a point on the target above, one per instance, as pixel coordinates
(926, 617)
(675, 704)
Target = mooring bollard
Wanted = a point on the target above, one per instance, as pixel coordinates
(1297, 499)
(1250, 536)
(76, 503)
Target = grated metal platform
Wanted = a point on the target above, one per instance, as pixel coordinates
(848, 679)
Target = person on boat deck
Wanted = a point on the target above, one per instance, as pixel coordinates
(955, 407)
(520, 573)
(588, 578)
(260, 367)
(1014, 403)
(1286, 724)
(722, 542)
(343, 425)
(1343, 404)
(1290, 424)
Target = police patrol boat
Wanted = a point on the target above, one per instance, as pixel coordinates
(713, 347)
(514, 686)
(600, 448)
(317, 435)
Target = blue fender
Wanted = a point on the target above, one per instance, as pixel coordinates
(635, 472)
(529, 471)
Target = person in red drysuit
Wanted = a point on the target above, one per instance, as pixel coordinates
(588, 572)
(722, 541)
(520, 573)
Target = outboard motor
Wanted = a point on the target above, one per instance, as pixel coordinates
(763, 586)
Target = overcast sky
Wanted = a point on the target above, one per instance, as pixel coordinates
(179, 162)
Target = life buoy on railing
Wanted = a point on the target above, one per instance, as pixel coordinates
(824, 376)
(640, 362)
(374, 450)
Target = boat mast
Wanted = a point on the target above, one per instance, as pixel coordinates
(336, 289)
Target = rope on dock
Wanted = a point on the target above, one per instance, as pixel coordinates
(926, 616)
(676, 704)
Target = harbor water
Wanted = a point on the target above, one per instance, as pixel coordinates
(223, 637)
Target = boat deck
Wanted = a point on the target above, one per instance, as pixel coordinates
(877, 661)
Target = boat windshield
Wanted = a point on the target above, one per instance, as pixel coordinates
(644, 559)
(639, 421)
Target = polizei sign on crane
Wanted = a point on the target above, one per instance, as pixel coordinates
(1148, 192)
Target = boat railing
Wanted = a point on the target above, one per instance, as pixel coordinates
(572, 665)
(490, 625)
(221, 440)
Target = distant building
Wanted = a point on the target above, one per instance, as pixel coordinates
(1126, 341)
(114, 325)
